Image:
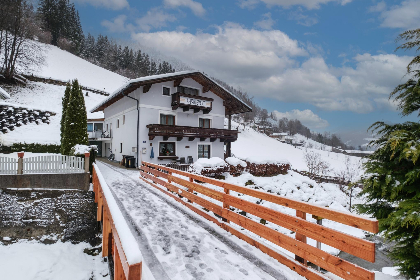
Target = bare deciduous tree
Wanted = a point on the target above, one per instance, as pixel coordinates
(17, 30)
(315, 163)
(348, 176)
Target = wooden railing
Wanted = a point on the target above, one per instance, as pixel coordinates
(191, 132)
(178, 187)
(117, 240)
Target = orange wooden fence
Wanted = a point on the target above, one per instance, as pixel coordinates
(157, 175)
(124, 269)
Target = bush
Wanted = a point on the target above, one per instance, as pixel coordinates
(31, 147)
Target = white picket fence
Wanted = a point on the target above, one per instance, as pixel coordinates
(8, 165)
(44, 164)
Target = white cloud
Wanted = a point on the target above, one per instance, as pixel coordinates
(155, 18)
(265, 64)
(196, 7)
(309, 4)
(109, 4)
(266, 23)
(406, 15)
(306, 117)
(118, 24)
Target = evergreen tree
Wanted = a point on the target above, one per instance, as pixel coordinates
(153, 68)
(392, 186)
(65, 102)
(75, 124)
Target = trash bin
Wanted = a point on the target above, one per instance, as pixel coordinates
(123, 160)
(132, 162)
(127, 158)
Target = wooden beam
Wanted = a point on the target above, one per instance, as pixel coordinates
(197, 187)
(179, 138)
(191, 138)
(196, 110)
(213, 139)
(207, 87)
(185, 108)
(165, 138)
(178, 82)
(202, 139)
(151, 137)
(146, 87)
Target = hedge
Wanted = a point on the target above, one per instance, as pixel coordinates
(30, 147)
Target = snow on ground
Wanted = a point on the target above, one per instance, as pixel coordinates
(44, 97)
(37, 261)
(255, 145)
(186, 245)
(62, 65)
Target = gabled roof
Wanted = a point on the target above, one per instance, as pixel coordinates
(232, 104)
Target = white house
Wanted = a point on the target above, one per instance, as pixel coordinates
(180, 116)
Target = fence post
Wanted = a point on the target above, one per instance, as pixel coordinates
(300, 237)
(20, 163)
(318, 243)
(225, 205)
(87, 162)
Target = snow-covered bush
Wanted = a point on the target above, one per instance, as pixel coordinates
(260, 166)
(80, 150)
(209, 166)
(236, 166)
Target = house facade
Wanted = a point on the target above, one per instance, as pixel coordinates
(171, 117)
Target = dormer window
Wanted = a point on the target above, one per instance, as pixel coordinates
(187, 90)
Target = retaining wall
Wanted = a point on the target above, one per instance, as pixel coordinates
(78, 181)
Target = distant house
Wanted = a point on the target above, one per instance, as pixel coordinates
(281, 136)
(97, 135)
(179, 116)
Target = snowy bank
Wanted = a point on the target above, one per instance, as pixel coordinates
(128, 241)
(4, 94)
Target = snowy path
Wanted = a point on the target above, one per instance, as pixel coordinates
(176, 243)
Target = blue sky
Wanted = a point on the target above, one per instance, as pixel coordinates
(329, 63)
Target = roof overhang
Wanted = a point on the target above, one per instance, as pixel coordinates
(232, 104)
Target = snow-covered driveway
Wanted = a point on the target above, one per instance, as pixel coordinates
(176, 243)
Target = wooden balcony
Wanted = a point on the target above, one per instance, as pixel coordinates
(225, 135)
(187, 102)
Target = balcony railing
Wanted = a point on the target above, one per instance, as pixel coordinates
(187, 102)
(191, 133)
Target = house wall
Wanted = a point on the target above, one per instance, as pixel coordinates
(152, 104)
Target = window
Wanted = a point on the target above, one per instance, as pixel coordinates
(90, 127)
(120, 147)
(166, 91)
(167, 119)
(203, 151)
(98, 127)
(118, 123)
(167, 149)
(204, 123)
(187, 90)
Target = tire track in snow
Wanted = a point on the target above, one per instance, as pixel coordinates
(150, 255)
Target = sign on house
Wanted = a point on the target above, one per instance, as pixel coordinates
(195, 102)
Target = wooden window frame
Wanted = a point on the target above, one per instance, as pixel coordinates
(163, 87)
(166, 155)
(203, 144)
(204, 120)
(166, 123)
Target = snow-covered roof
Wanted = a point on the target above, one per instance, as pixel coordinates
(234, 104)
(4, 94)
(280, 134)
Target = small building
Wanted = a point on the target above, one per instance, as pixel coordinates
(169, 117)
(281, 136)
(97, 135)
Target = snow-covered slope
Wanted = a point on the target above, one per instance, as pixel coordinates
(45, 97)
(62, 65)
(258, 146)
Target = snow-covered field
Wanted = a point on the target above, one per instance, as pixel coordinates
(64, 66)
(33, 260)
(255, 146)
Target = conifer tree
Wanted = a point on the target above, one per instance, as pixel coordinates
(75, 125)
(392, 187)
(65, 102)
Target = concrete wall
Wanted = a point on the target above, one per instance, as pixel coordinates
(152, 104)
(75, 181)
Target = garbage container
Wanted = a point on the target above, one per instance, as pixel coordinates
(132, 162)
(123, 160)
(126, 163)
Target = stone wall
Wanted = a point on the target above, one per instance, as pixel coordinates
(75, 181)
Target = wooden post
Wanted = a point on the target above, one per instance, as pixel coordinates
(190, 190)
(20, 163)
(225, 205)
(118, 268)
(87, 162)
(229, 144)
(106, 232)
(99, 213)
(300, 237)
(318, 243)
